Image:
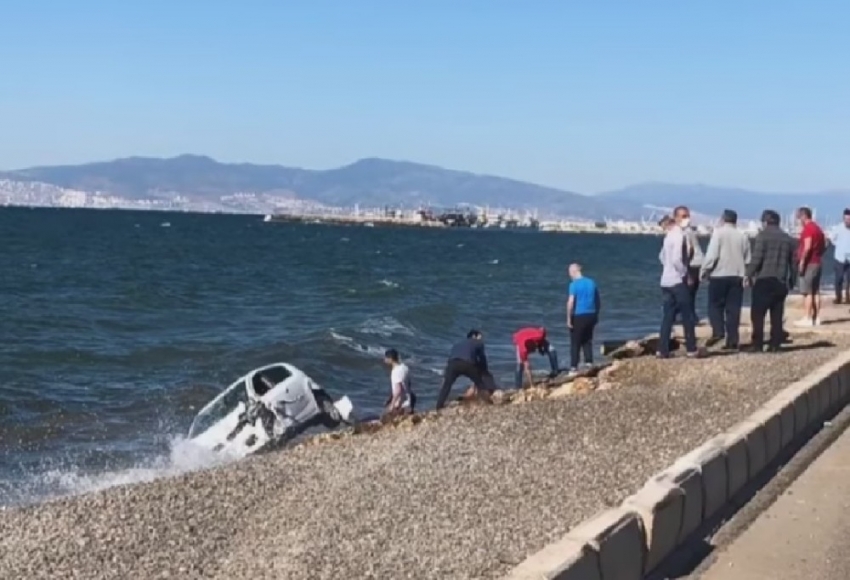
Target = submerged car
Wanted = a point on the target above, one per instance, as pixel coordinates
(266, 408)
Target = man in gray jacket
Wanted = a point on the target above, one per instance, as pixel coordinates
(725, 265)
(772, 271)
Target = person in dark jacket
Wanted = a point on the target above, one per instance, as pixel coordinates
(771, 272)
(467, 359)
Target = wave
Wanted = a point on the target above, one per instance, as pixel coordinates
(183, 456)
(385, 326)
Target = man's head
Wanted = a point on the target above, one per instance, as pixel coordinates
(847, 217)
(682, 216)
(475, 334)
(729, 216)
(391, 357)
(770, 218)
(804, 214)
(574, 271)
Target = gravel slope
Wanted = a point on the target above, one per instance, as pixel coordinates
(466, 496)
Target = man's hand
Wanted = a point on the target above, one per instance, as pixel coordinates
(746, 282)
(569, 323)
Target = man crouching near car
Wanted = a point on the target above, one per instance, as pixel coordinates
(402, 400)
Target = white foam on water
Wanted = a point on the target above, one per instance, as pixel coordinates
(388, 283)
(354, 345)
(183, 457)
(385, 326)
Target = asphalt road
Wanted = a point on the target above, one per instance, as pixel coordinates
(804, 535)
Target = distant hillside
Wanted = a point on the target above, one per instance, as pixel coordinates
(369, 182)
(712, 201)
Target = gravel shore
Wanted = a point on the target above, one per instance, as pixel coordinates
(466, 496)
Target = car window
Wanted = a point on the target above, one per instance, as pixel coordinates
(220, 408)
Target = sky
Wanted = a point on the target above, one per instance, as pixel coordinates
(582, 95)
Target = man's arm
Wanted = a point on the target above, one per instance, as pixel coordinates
(757, 258)
(747, 252)
(792, 271)
(571, 303)
(711, 255)
(597, 299)
(481, 356)
(805, 253)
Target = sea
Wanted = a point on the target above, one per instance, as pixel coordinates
(116, 327)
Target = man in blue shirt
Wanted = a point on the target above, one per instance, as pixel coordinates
(583, 306)
(840, 238)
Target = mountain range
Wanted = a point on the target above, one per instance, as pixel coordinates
(377, 182)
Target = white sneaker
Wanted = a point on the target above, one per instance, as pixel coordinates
(804, 323)
(817, 321)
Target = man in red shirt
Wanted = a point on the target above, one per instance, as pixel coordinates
(527, 340)
(809, 254)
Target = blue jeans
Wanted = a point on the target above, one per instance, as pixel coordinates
(553, 363)
(842, 277)
(677, 300)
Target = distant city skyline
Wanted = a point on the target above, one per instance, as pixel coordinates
(586, 97)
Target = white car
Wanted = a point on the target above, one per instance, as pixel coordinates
(265, 408)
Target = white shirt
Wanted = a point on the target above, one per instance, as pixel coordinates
(400, 383)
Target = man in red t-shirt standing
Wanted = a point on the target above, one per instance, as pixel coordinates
(809, 255)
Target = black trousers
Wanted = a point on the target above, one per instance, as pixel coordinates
(581, 338)
(768, 298)
(457, 368)
(725, 297)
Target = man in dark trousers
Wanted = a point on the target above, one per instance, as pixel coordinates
(583, 304)
(771, 272)
(467, 359)
(725, 265)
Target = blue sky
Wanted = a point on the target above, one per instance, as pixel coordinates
(582, 95)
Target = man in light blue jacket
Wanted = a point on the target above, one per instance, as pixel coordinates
(840, 238)
(725, 265)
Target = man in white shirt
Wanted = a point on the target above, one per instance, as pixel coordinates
(401, 400)
(676, 280)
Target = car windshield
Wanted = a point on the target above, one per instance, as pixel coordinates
(221, 407)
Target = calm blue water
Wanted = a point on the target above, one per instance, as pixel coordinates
(116, 327)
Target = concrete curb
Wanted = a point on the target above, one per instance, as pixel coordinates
(628, 542)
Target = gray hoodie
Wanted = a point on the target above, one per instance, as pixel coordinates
(728, 253)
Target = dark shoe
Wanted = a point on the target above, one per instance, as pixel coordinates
(731, 347)
(837, 300)
(754, 349)
(698, 353)
(773, 349)
(660, 355)
(713, 340)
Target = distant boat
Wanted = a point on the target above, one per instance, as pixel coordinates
(268, 218)
(165, 224)
(369, 225)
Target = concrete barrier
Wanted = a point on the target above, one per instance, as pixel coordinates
(628, 542)
(565, 559)
(660, 508)
(687, 478)
(618, 537)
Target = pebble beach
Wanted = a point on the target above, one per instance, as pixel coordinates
(468, 494)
